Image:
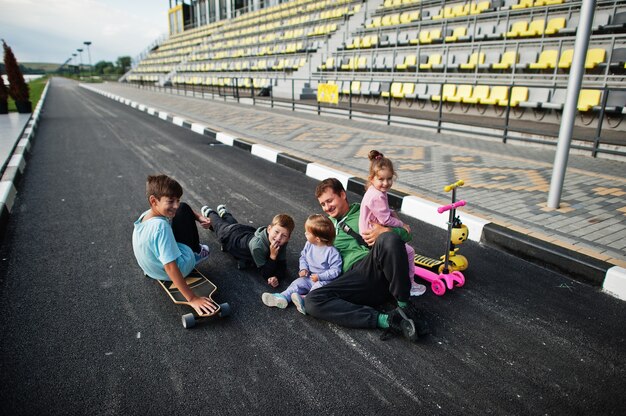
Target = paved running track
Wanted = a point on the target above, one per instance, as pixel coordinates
(82, 331)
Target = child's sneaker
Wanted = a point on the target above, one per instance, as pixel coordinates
(417, 289)
(203, 255)
(298, 301)
(275, 300)
(221, 210)
(205, 210)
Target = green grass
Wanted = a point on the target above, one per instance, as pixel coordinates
(35, 90)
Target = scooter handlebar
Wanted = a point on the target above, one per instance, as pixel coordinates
(452, 186)
(445, 208)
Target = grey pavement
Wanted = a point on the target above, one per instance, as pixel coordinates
(506, 184)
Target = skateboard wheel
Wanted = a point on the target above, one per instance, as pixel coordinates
(224, 310)
(189, 321)
(438, 287)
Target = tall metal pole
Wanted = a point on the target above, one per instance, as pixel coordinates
(89, 55)
(80, 52)
(74, 60)
(569, 107)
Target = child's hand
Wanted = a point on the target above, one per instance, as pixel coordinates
(204, 222)
(273, 281)
(315, 277)
(203, 305)
(274, 249)
(407, 228)
(303, 273)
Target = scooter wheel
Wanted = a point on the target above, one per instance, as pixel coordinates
(438, 287)
(459, 280)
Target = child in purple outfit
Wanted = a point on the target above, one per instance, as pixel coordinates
(320, 263)
(375, 207)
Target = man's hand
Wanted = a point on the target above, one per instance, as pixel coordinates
(372, 234)
(203, 305)
(204, 222)
(273, 281)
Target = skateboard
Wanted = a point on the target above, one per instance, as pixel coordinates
(201, 286)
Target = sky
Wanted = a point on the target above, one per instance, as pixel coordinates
(51, 30)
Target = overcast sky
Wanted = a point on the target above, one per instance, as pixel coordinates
(51, 30)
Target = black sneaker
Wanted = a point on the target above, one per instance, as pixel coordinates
(400, 324)
(417, 316)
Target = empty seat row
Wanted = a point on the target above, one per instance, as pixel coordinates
(489, 60)
(498, 95)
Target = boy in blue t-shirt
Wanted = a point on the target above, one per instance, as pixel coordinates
(165, 239)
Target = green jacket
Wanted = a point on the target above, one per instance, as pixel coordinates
(349, 248)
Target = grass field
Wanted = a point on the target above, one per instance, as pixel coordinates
(35, 90)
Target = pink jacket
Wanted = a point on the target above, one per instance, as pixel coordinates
(375, 208)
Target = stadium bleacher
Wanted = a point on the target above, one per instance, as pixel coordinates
(386, 56)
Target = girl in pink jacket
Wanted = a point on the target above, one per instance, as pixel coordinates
(375, 207)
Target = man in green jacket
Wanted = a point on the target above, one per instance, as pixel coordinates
(374, 272)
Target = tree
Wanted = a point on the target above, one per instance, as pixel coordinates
(4, 96)
(123, 64)
(18, 89)
(103, 67)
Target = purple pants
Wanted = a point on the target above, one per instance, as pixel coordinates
(301, 286)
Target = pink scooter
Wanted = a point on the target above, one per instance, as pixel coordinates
(447, 278)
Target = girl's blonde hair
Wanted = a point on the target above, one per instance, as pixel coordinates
(378, 162)
(321, 227)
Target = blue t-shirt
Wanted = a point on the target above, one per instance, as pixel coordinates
(154, 246)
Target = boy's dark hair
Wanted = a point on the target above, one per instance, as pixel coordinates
(163, 185)
(332, 183)
(321, 227)
(285, 221)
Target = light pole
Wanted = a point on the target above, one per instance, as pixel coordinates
(89, 55)
(80, 51)
(74, 60)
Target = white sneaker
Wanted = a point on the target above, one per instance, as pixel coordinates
(417, 289)
(275, 300)
(299, 302)
(203, 255)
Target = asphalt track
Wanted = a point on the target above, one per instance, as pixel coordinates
(82, 331)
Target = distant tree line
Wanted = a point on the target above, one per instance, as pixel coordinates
(25, 70)
(121, 66)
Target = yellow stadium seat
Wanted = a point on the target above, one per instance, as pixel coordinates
(594, 58)
(523, 4)
(479, 93)
(407, 88)
(588, 99)
(356, 41)
(395, 19)
(509, 59)
(376, 22)
(518, 95)
(480, 7)
(449, 90)
(476, 58)
(517, 28)
(347, 66)
(463, 91)
(497, 95)
(444, 13)
(535, 28)
(554, 25)
(456, 34)
(409, 61)
(395, 91)
(434, 59)
(547, 60)
(565, 61)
